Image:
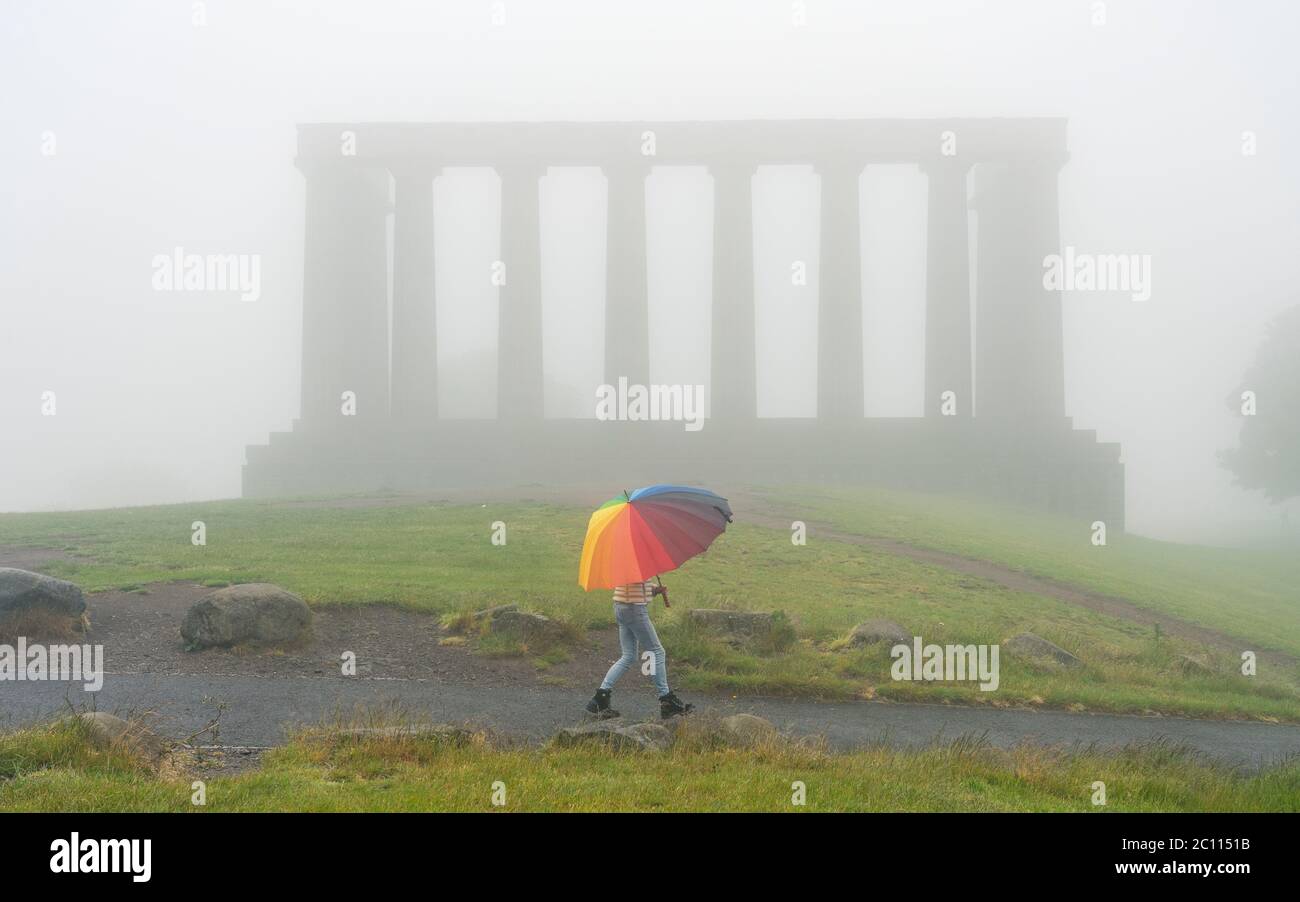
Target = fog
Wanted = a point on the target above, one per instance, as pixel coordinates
(131, 131)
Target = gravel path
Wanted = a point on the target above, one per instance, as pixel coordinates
(261, 707)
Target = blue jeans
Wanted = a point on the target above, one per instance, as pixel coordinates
(634, 627)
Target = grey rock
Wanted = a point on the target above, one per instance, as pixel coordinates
(870, 632)
(652, 736)
(747, 729)
(23, 590)
(1027, 645)
(601, 731)
(493, 613)
(527, 626)
(253, 614)
(617, 734)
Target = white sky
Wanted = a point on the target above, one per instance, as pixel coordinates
(170, 134)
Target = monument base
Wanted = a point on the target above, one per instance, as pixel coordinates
(1046, 465)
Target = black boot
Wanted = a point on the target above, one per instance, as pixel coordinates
(599, 705)
(671, 706)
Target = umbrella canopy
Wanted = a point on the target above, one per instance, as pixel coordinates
(641, 534)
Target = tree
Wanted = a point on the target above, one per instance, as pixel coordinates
(1268, 455)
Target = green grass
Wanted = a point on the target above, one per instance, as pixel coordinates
(440, 558)
(1250, 594)
(52, 768)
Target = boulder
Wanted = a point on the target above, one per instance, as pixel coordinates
(734, 624)
(527, 626)
(22, 590)
(651, 736)
(617, 734)
(747, 729)
(870, 632)
(107, 731)
(479, 617)
(250, 614)
(1027, 645)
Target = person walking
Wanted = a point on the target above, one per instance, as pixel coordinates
(632, 614)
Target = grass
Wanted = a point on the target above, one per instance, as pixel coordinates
(1250, 594)
(53, 768)
(439, 558)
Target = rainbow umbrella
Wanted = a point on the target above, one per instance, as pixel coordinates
(650, 531)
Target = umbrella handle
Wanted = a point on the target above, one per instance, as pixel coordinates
(661, 585)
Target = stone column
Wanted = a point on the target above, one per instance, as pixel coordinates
(345, 294)
(520, 392)
(947, 289)
(839, 318)
(1019, 356)
(414, 371)
(627, 313)
(733, 384)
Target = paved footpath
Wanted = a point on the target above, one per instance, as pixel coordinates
(261, 707)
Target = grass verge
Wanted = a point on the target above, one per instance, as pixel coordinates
(53, 768)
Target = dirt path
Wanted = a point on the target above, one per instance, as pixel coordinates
(140, 632)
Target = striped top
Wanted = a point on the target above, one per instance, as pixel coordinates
(634, 593)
